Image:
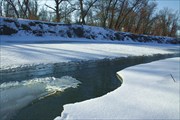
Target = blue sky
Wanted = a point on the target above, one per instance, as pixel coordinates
(172, 4)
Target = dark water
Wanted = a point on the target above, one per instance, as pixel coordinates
(97, 77)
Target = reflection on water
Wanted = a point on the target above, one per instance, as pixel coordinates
(97, 78)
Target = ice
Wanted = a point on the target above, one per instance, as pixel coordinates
(16, 95)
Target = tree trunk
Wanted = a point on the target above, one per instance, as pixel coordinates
(106, 14)
(120, 15)
(112, 14)
(82, 12)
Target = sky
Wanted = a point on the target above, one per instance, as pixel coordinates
(172, 4)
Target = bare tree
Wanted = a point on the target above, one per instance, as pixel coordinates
(58, 9)
(22, 8)
(85, 9)
(22, 12)
(12, 4)
(174, 26)
(43, 14)
(66, 11)
(165, 23)
(123, 4)
(33, 6)
(1, 8)
(145, 18)
(112, 9)
(102, 9)
(133, 5)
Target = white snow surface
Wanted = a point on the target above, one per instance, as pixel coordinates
(148, 92)
(19, 51)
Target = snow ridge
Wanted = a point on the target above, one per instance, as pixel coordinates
(20, 27)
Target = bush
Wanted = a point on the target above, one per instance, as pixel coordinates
(9, 20)
(38, 33)
(32, 24)
(25, 27)
(6, 30)
(69, 34)
(79, 32)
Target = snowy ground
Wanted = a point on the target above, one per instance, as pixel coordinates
(33, 50)
(148, 92)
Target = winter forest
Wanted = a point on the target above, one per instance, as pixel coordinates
(136, 16)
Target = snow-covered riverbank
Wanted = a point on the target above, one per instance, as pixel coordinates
(148, 92)
(19, 54)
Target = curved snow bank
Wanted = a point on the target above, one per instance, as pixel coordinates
(20, 27)
(16, 95)
(148, 92)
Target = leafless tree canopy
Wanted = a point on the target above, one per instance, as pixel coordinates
(137, 16)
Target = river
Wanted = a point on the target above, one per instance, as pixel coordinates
(97, 78)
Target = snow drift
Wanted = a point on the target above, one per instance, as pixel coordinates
(20, 27)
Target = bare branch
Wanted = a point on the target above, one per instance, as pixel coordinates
(50, 7)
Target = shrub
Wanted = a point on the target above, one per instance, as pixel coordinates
(79, 32)
(6, 30)
(25, 27)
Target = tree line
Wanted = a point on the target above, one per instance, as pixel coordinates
(136, 16)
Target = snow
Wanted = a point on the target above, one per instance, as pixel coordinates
(16, 95)
(148, 92)
(24, 27)
(20, 51)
